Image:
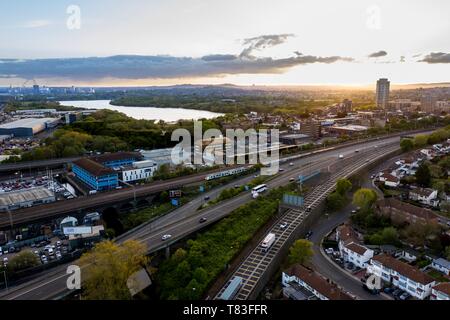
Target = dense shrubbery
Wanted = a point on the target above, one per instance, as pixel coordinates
(188, 273)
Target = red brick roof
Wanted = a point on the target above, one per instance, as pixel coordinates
(314, 280)
(93, 167)
(407, 208)
(106, 157)
(403, 269)
(356, 248)
(346, 233)
(443, 287)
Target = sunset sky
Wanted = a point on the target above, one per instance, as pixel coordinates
(141, 42)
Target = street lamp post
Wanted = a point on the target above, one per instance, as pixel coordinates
(6, 281)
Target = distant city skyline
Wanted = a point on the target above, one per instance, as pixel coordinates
(138, 43)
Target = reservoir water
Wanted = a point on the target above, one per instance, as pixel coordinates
(147, 113)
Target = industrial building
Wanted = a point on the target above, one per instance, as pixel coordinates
(350, 129)
(295, 139)
(25, 198)
(101, 172)
(27, 127)
(117, 159)
(139, 170)
(95, 175)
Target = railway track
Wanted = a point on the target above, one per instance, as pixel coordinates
(252, 269)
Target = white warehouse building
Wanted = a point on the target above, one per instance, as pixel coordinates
(139, 170)
(27, 127)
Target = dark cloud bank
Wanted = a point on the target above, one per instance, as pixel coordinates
(437, 57)
(142, 67)
(148, 67)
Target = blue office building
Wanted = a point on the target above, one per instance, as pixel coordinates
(95, 175)
(117, 159)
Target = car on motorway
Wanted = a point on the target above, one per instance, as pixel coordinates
(353, 211)
(281, 170)
(291, 180)
(283, 225)
(291, 164)
(166, 237)
(206, 198)
(203, 219)
(357, 150)
(341, 156)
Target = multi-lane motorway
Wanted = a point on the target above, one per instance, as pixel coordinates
(185, 220)
(255, 267)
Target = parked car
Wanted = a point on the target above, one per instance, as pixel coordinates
(308, 234)
(388, 290)
(371, 291)
(405, 296)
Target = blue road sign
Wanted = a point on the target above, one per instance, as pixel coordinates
(174, 202)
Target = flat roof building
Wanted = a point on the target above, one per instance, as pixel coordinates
(25, 198)
(27, 127)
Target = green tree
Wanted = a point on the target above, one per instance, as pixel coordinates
(423, 175)
(107, 267)
(300, 252)
(335, 201)
(343, 186)
(406, 145)
(389, 235)
(420, 140)
(364, 198)
(447, 252)
(23, 260)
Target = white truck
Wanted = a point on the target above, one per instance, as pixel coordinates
(267, 242)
